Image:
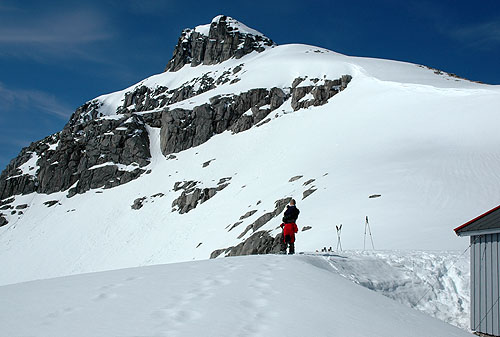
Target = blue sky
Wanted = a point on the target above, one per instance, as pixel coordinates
(56, 55)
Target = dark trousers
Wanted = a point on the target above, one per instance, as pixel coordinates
(287, 242)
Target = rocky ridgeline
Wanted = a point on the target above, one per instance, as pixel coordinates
(92, 151)
(144, 98)
(260, 242)
(98, 151)
(153, 100)
(224, 41)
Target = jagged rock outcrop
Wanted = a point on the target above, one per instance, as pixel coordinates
(50, 203)
(3, 221)
(182, 129)
(317, 94)
(13, 180)
(85, 113)
(258, 243)
(192, 195)
(310, 181)
(138, 203)
(99, 153)
(152, 100)
(248, 214)
(279, 206)
(295, 178)
(223, 39)
(308, 192)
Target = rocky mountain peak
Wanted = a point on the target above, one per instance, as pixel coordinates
(222, 39)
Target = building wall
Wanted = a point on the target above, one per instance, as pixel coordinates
(485, 284)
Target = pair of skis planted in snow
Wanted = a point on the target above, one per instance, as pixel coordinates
(367, 228)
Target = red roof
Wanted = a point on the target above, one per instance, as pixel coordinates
(476, 218)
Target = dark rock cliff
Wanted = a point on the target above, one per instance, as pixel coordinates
(182, 129)
(224, 40)
(89, 155)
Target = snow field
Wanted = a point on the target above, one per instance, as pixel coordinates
(429, 165)
(243, 296)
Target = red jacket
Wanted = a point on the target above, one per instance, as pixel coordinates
(290, 229)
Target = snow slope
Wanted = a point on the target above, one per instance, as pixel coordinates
(427, 142)
(436, 283)
(242, 296)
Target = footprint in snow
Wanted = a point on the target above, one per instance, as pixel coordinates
(104, 296)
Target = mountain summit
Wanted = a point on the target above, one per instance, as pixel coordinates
(216, 42)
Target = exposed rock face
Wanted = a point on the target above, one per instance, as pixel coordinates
(151, 100)
(223, 39)
(6, 202)
(50, 203)
(310, 181)
(205, 164)
(248, 214)
(138, 203)
(3, 221)
(258, 243)
(265, 218)
(236, 224)
(85, 113)
(318, 94)
(292, 179)
(192, 195)
(308, 192)
(99, 153)
(182, 129)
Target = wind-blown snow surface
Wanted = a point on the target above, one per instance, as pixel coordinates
(427, 143)
(241, 296)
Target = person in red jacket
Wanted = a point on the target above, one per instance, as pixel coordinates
(290, 227)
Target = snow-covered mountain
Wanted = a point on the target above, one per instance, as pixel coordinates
(239, 296)
(200, 160)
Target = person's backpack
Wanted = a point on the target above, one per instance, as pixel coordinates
(291, 215)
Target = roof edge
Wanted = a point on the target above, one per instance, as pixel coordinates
(475, 219)
(479, 232)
